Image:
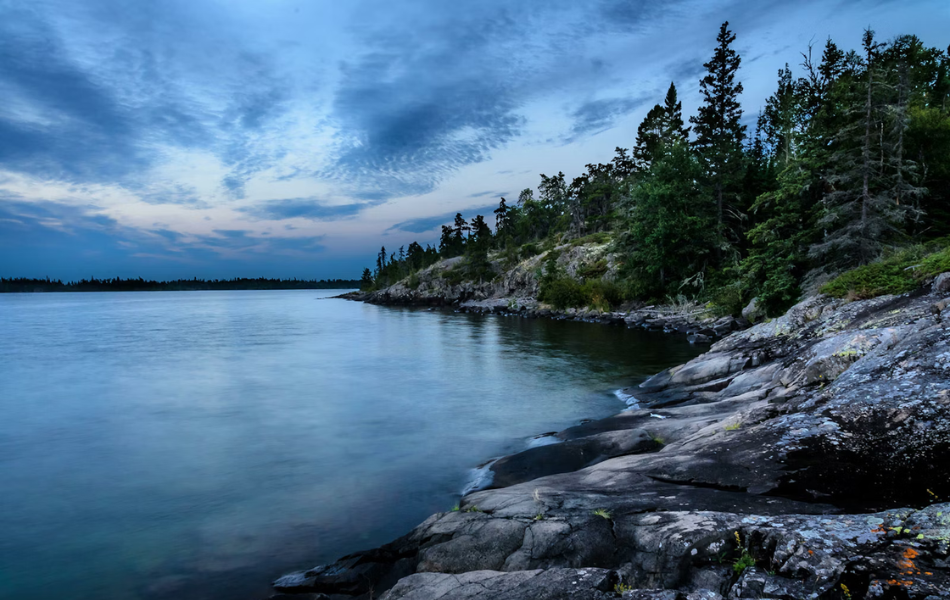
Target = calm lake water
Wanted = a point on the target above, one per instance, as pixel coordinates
(196, 445)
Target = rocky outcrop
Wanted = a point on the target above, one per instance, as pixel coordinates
(446, 283)
(803, 458)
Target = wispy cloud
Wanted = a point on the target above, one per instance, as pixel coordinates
(426, 224)
(306, 208)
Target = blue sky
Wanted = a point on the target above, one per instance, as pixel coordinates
(286, 138)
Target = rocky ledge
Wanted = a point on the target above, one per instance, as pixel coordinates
(803, 458)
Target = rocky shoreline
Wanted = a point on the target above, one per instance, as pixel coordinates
(695, 324)
(804, 457)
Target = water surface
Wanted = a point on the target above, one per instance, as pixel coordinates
(194, 445)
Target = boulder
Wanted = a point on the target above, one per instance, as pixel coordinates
(942, 283)
(753, 312)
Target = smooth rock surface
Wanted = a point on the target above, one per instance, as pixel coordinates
(814, 446)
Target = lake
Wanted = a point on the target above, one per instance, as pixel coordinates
(195, 445)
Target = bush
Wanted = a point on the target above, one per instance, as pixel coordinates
(727, 300)
(594, 270)
(897, 272)
(602, 295)
(562, 293)
(529, 250)
(935, 264)
(871, 280)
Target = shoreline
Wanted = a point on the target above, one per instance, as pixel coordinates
(767, 435)
(699, 330)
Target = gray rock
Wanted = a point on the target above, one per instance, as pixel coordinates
(797, 441)
(942, 283)
(753, 312)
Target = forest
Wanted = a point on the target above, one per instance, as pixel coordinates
(842, 186)
(180, 285)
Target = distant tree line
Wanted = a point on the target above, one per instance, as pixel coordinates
(848, 160)
(144, 285)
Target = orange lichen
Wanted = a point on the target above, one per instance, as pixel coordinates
(906, 564)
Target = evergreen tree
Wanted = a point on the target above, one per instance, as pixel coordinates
(446, 243)
(459, 233)
(502, 219)
(675, 129)
(859, 211)
(666, 234)
(719, 131)
(366, 280)
(381, 263)
(662, 125)
(649, 137)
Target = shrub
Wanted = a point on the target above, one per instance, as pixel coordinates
(602, 295)
(935, 264)
(454, 276)
(594, 270)
(727, 301)
(871, 280)
(562, 293)
(897, 272)
(529, 250)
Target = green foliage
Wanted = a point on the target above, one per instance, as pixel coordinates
(413, 282)
(733, 426)
(562, 293)
(669, 225)
(594, 270)
(727, 298)
(602, 513)
(745, 559)
(935, 264)
(602, 295)
(851, 156)
(601, 237)
(872, 280)
(620, 588)
(565, 292)
(896, 273)
(455, 275)
(744, 562)
(528, 250)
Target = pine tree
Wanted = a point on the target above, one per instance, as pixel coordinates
(719, 131)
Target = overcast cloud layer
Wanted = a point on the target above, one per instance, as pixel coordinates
(292, 138)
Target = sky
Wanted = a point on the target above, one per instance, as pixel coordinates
(293, 138)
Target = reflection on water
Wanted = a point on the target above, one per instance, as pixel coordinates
(196, 445)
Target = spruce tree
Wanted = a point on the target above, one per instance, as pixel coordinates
(666, 234)
(719, 131)
(675, 129)
(859, 212)
(662, 125)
